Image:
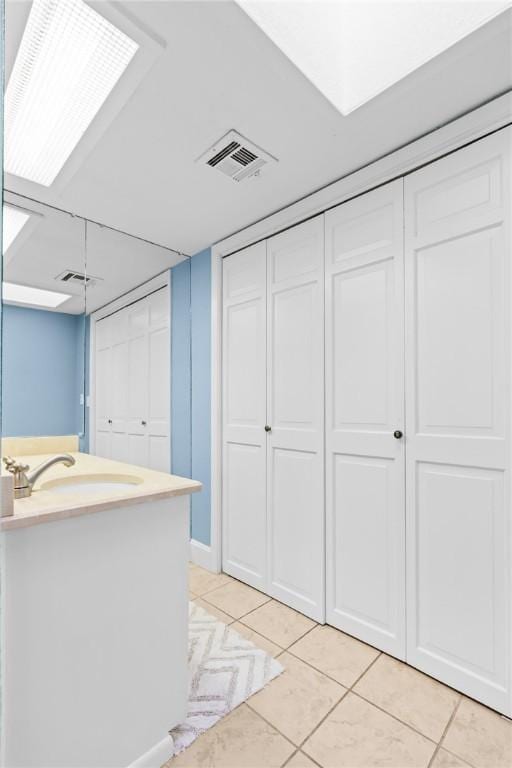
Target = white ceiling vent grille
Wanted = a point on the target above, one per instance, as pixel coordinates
(236, 157)
(70, 276)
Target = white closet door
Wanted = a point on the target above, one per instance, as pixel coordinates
(295, 405)
(159, 385)
(133, 383)
(244, 406)
(365, 513)
(118, 408)
(458, 251)
(138, 367)
(103, 365)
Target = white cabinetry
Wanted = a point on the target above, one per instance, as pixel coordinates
(458, 343)
(417, 437)
(364, 408)
(273, 388)
(132, 383)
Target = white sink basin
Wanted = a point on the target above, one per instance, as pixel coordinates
(92, 484)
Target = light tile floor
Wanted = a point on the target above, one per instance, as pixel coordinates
(339, 703)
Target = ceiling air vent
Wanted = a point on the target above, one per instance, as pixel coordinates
(70, 276)
(236, 157)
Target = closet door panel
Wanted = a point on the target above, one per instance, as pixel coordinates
(364, 539)
(458, 431)
(133, 383)
(103, 370)
(158, 428)
(461, 586)
(159, 384)
(244, 416)
(137, 395)
(117, 384)
(295, 388)
(119, 407)
(103, 443)
(365, 513)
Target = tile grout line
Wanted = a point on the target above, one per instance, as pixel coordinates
(445, 731)
(235, 618)
(350, 689)
(326, 674)
(285, 649)
(253, 610)
(298, 751)
(394, 717)
(347, 690)
(287, 761)
(453, 754)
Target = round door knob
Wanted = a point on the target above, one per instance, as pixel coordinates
(267, 428)
(143, 423)
(398, 434)
(110, 421)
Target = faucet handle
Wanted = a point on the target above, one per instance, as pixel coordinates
(12, 465)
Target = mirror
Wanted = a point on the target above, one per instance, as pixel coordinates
(138, 351)
(96, 339)
(43, 322)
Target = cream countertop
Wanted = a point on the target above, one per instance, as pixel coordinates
(45, 505)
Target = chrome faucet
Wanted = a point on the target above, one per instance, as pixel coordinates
(23, 482)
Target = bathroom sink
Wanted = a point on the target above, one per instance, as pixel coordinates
(92, 484)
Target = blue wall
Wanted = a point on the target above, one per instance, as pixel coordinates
(190, 382)
(201, 400)
(42, 373)
(43, 358)
(181, 447)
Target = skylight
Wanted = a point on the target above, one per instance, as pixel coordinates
(69, 60)
(352, 50)
(13, 293)
(13, 221)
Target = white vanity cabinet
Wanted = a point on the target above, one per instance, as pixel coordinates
(94, 622)
(417, 437)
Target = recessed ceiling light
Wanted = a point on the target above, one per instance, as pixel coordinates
(12, 293)
(69, 60)
(353, 50)
(13, 221)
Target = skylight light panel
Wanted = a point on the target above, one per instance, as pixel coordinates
(13, 293)
(69, 60)
(13, 221)
(352, 50)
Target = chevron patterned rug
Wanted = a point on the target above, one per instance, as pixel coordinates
(225, 670)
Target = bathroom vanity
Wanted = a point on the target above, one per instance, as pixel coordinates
(94, 615)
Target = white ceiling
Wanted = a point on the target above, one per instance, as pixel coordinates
(352, 51)
(219, 71)
(52, 243)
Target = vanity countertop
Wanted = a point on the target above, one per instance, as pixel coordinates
(46, 504)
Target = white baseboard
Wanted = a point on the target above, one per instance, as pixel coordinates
(201, 554)
(157, 756)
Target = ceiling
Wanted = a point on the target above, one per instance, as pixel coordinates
(52, 243)
(219, 71)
